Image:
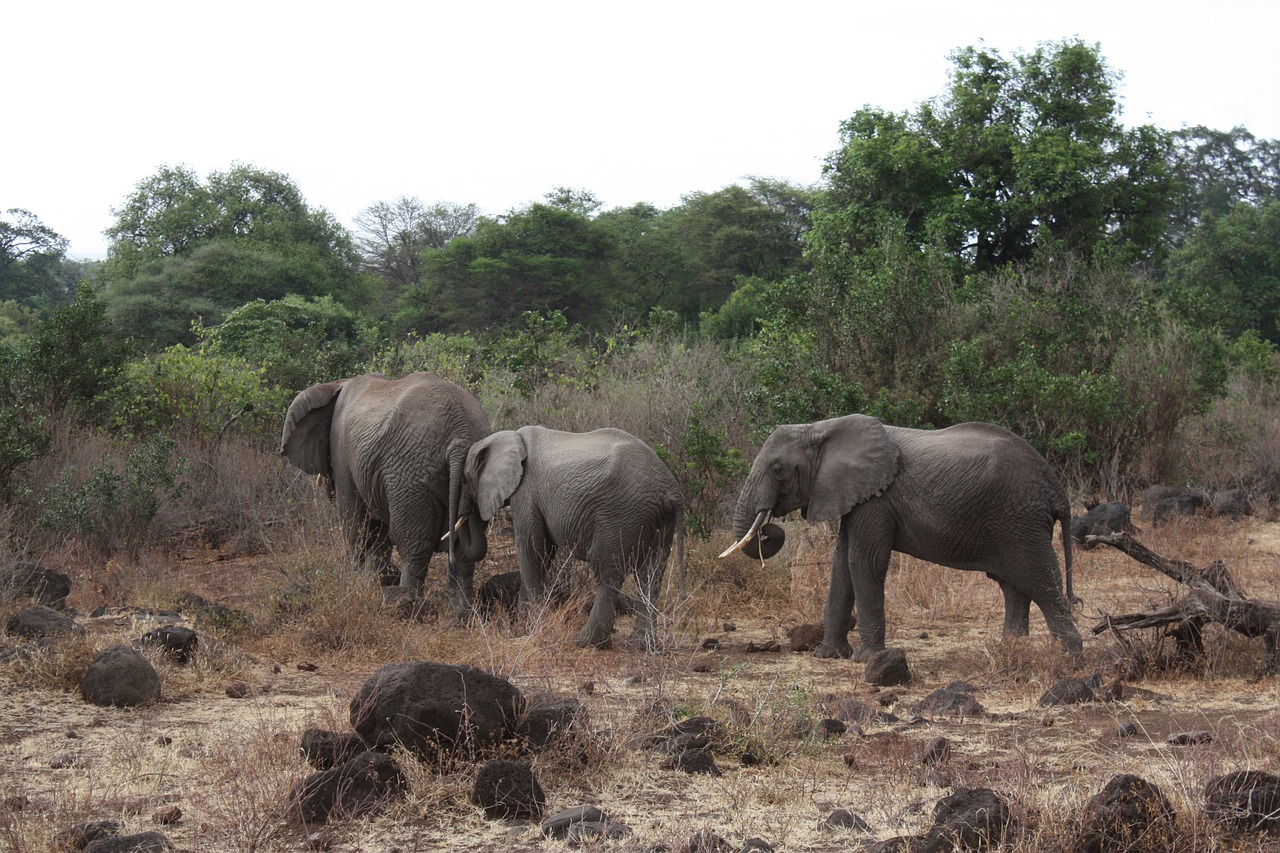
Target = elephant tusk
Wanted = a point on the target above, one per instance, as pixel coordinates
(456, 528)
(755, 528)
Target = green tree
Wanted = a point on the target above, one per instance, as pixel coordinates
(1217, 169)
(1017, 153)
(184, 250)
(541, 258)
(1226, 273)
(34, 270)
(391, 236)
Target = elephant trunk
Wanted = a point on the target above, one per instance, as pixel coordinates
(769, 537)
(472, 540)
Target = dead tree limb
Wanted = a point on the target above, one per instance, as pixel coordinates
(1214, 598)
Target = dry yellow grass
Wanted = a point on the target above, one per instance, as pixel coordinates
(228, 764)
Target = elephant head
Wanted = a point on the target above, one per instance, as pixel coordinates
(823, 469)
(493, 470)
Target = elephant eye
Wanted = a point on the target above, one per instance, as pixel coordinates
(775, 470)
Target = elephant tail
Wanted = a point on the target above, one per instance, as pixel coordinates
(1063, 517)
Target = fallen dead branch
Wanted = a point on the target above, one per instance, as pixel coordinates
(1214, 598)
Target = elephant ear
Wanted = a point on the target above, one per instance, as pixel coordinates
(305, 440)
(856, 460)
(495, 466)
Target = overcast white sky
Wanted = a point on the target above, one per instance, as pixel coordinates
(497, 102)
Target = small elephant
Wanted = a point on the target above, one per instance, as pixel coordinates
(972, 496)
(603, 496)
(391, 452)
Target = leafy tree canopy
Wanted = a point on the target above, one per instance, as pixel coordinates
(391, 236)
(182, 249)
(1018, 152)
(34, 270)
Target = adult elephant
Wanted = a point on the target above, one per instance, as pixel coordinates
(602, 496)
(972, 496)
(391, 452)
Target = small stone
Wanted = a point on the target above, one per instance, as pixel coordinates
(167, 815)
(936, 751)
(239, 690)
(1190, 738)
(711, 643)
(1128, 728)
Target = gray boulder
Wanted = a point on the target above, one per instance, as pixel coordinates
(25, 579)
(435, 710)
(120, 676)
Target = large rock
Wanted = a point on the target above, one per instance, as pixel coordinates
(1102, 520)
(25, 579)
(435, 709)
(178, 642)
(324, 749)
(968, 819)
(120, 676)
(41, 622)
(1245, 800)
(1129, 814)
(356, 787)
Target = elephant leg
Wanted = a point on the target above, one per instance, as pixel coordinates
(1017, 610)
(1046, 591)
(837, 615)
(649, 574)
(868, 568)
(462, 573)
(598, 630)
(536, 555)
(368, 537)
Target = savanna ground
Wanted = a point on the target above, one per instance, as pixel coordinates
(317, 630)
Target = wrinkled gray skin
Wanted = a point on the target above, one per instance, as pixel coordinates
(603, 496)
(391, 452)
(972, 496)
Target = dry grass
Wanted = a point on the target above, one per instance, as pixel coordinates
(229, 763)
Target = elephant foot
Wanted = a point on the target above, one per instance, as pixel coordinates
(833, 650)
(866, 653)
(644, 641)
(594, 638)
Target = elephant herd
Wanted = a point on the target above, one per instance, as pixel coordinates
(413, 463)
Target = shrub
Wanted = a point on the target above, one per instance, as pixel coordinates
(110, 509)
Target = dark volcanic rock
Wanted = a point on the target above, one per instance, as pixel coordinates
(558, 824)
(142, 842)
(120, 676)
(805, 638)
(696, 760)
(178, 642)
(508, 789)
(356, 787)
(435, 708)
(945, 701)
(1070, 691)
(324, 749)
(25, 579)
(888, 669)
(968, 819)
(1245, 800)
(1129, 814)
(41, 622)
(1101, 520)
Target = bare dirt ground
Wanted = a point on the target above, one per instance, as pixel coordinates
(228, 764)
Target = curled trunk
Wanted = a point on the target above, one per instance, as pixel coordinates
(769, 539)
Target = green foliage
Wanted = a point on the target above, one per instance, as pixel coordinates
(34, 270)
(296, 341)
(458, 358)
(24, 432)
(70, 358)
(111, 509)
(706, 468)
(197, 392)
(183, 250)
(1227, 271)
(1017, 153)
(547, 349)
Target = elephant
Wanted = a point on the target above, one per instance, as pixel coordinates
(602, 496)
(974, 496)
(391, 452)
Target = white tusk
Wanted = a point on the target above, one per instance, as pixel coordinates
(456, 527)
(755, 528)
